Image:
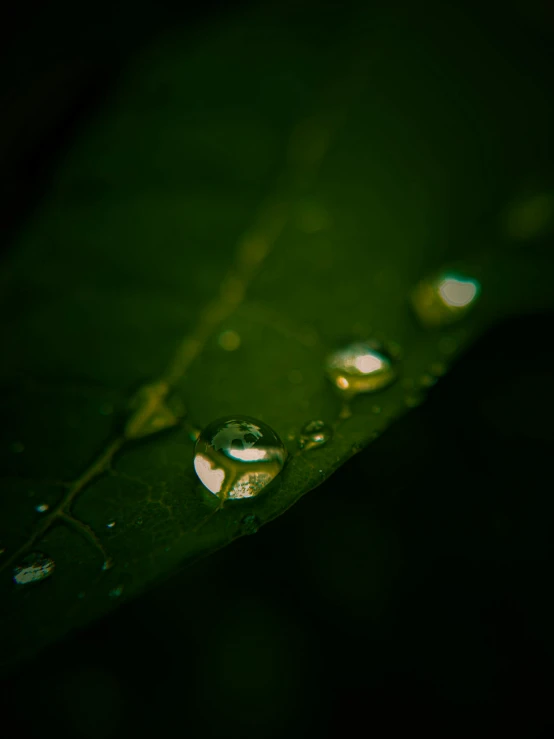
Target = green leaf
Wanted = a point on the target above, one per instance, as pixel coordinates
(239, 209)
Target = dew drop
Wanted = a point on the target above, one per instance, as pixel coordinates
(34, 568)
(237, 457)
(42, 508)
(427, 380)
(362, 367)
(116, 592)
(107, 565)
(250, 525)
(445, 298)
(412, 400)
(110, 524)
(229, 340)
(314, 434)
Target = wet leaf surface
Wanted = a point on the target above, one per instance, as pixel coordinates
(241, 208)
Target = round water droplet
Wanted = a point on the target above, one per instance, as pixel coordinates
(229, 340)
(42, 507)
(250, 525)
(110, 524)
(362, 367)
(34, 568)
(237, 457)
(314, 434)
(445, 298)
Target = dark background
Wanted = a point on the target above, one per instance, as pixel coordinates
(411, 592)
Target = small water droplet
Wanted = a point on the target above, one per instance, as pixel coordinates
(34, 568)
(444, 298)
(237, 457)
(412, 400)
(106, 409)
(17, 447)
(362, 367)
(110, 524)
(314, 434)
(229, 340)
(42, 508)
(250, 525)
(116, 592)
(107, 565)
(427, 380)
(438, 369)
(194, 434)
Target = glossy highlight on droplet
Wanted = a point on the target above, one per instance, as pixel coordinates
(34, 568)
(314, 435)
(444, 298)
(362, 367)
(238, 456)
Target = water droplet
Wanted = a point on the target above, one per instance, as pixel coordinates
(412, 400)
(438, 369)
(229, 340)
(107, 565)
(34, 568)
(444, 298)
(110, 524)
(250, 525)
(427, 380)
(116, 592)
(314, 434)
(362, 367)
(17, 447)
(237, 457)
(42, 508)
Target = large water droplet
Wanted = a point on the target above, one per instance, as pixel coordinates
(314, 434)
(362, 367)
(445, 298)
(237, 457)
(34, 568)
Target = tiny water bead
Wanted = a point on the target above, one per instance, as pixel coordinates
(362, 367)
(229, 340)
(42, 508)
(445, 298)
(34, 568)
(237, 457)
(314, 434)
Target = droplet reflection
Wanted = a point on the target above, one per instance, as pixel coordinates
(237, 457)
(314, 434)
(361, 367)
(446, 298)
(34, 568)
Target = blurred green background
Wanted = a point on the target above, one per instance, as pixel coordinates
(410, 592)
